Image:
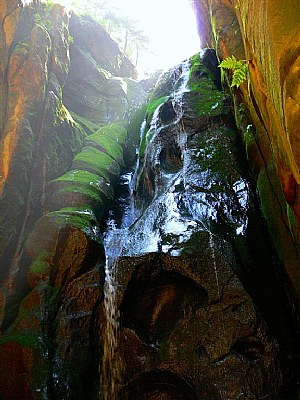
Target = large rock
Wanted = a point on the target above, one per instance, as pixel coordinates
(190, 331)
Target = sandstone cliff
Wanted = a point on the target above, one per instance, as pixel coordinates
(208, 305)
(266, 35)
(65, 88)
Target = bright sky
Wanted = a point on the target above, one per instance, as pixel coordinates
(170, 26)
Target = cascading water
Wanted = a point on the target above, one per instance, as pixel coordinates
(120, 241)
(111, 366)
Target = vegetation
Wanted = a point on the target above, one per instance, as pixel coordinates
(92, 182)
(239, 68)
(81, 218)
(115, 131)
(95, 161)
(153, 104)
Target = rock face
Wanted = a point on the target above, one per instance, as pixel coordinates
(56, 183)
(92, 89)
(189, 329)
(204, 313)
(267, 109)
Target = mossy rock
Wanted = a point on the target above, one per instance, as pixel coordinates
(97, 162)
(204, 97)
(81, 177)
(80, 218)
(24, 365)
(146, 138)
(41, 266)
(79, 188)
(74, 196)
(88, 126)
(115, 131)
(107, 145)
(152, 106)
(206, 100)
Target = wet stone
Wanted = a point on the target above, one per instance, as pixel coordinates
(188, 328)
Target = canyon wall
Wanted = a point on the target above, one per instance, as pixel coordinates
(265, 34)
(206, 309)
(65, 89)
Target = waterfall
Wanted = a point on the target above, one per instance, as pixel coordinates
(143, 233)
(184, 312)
(115, 246)
(114, 242)
(111, 367)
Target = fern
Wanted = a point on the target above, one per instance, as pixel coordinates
(239, 68)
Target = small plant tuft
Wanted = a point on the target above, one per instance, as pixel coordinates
(239, 68)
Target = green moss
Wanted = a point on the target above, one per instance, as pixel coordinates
(292, 219)
(219, 153)
(93, 182)
(41, 263)
(22, 48)
(146, 138)
(26, 339)
(153, 104)
(134, 126)
(108, 145)
(96, 161)
(90, 195)
(63, 138)
(271, 209)
(206, 100)
(195, 66)
(88, 126)
(81, 218)
(248, 138)
(115, 131)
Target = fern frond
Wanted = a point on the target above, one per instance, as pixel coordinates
(239, 75)
(229, 63)
(239, 68)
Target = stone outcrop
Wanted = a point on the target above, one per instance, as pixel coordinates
(266, 35)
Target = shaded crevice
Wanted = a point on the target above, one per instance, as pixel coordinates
(154, 302)
(160, 385)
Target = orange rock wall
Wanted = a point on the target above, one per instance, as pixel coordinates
(266, 34)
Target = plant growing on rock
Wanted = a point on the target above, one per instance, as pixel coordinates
(239, 68)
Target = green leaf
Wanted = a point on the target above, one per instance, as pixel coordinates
(229, 63)
(239, 68)
(239, 76)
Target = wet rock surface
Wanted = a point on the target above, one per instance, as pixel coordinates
(188, 328)
(51, 204)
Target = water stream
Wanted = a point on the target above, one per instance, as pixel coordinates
(111, 367)
(146, 238)
(164, 226)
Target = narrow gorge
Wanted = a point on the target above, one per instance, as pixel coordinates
(149, 235)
